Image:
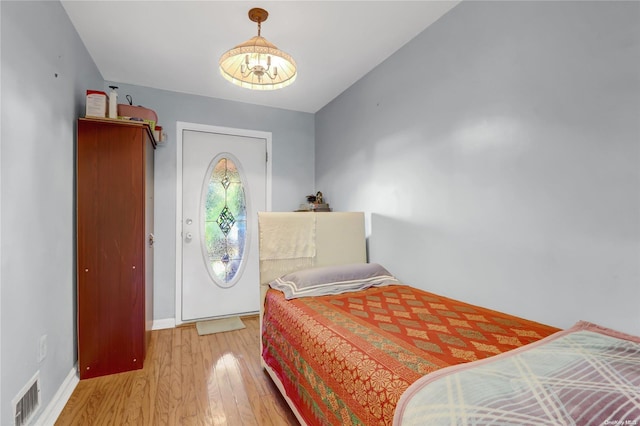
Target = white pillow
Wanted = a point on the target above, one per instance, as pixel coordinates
(333, 280)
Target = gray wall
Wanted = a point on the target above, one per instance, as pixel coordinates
(45, 72)
(292, 156)
(497, 156)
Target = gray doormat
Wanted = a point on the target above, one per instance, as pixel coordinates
(219, 325)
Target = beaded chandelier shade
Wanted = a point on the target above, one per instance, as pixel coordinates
(257, 64)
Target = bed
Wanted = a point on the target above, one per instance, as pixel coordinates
(350, 357)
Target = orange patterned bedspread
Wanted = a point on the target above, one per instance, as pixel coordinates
(347, 359)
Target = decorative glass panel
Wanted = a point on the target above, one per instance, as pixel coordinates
(225, 221)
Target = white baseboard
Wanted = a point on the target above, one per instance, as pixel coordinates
(163, 323)
(60, 399)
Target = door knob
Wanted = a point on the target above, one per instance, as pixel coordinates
(189, 236)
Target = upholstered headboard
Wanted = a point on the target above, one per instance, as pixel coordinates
(291, 241)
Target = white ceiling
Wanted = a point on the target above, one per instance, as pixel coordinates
(175, 45)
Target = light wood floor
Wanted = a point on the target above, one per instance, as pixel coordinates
(186, 380)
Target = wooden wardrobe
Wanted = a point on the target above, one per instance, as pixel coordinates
(115, 245)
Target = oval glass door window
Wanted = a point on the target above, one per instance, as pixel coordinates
(224, 216)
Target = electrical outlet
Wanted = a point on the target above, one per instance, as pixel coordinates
(42, 352)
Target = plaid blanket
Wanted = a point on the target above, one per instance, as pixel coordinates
(586, 375)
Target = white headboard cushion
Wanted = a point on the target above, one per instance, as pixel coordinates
(339, 238)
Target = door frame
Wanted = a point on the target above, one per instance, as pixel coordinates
(181, 126)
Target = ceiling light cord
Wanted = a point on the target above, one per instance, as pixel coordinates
(258, 69)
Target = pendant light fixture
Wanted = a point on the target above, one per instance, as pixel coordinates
(258, 64)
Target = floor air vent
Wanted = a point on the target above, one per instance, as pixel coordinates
(27, 401)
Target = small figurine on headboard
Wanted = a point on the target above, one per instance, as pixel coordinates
(319, 199)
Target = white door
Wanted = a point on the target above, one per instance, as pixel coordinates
(223, 188)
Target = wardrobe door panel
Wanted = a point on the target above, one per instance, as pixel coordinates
(111, 247)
